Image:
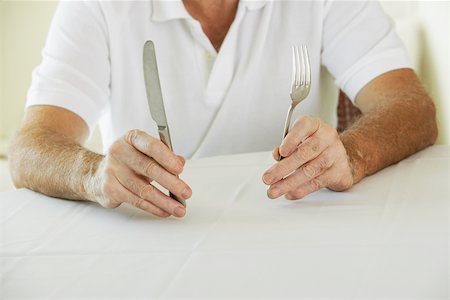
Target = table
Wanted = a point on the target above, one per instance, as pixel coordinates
(387, 237)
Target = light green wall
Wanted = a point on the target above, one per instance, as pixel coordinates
(436, 63)
(2, 104)
(24, 28)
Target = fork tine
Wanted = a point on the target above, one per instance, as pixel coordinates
(301, 69)
(297, 67)
(294, 75)
(307, 67)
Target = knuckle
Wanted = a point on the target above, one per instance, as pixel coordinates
(175, 165)
(309, 171)
(151, 169)
(146, 191)
(139, 203)
(324, 163)
(131, 184)
(131, 136)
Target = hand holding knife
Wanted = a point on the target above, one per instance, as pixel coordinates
(155, 99)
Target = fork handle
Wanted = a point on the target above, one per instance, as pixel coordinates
(286, 126)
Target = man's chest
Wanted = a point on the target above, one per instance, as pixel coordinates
(208, 94)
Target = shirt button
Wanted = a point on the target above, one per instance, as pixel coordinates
(209, 56)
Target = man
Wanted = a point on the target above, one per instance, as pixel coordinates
(225, 72)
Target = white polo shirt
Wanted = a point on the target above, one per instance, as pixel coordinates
(216, 103)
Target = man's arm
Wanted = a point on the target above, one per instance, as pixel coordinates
(47, 156)
(398, 120)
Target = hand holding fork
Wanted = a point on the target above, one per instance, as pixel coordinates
(314, 154)
(300, 82)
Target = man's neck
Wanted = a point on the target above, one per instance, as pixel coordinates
(215, 16)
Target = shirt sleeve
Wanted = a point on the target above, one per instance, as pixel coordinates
(359, 43)
(75, 70)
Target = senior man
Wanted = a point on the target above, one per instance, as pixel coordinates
(225, 73)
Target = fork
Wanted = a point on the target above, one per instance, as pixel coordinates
(300, 82)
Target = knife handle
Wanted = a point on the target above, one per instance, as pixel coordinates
(164, 136)
(178, 199)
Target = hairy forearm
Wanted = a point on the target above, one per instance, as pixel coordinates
(391, 131)
(52, 164)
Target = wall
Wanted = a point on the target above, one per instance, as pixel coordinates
(23, 31)
(435, 64)
(2, 104)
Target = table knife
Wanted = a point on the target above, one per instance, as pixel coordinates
(155, 99)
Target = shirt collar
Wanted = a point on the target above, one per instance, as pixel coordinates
(166, 10)
(253, 4)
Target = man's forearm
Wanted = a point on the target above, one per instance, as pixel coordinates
(50, 163)
(391, 131)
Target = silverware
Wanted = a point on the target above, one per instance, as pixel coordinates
(155, 99)
(300, 82)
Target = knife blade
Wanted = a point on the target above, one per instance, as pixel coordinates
(155, 99)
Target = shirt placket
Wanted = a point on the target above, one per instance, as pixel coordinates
(219, 67)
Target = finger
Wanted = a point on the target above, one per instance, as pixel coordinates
(182, 159)
(142, 189)
(312, 147)
(302, 175)
(148, 167)
(302, 129)
(329, 178)
(276, 154)
(156, 149)
(309, 187)
(122, 194)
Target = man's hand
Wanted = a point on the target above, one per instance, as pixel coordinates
(47, 156)
(125, 173)
(315, 158)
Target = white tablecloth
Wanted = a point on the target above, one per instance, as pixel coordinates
(387, 237)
